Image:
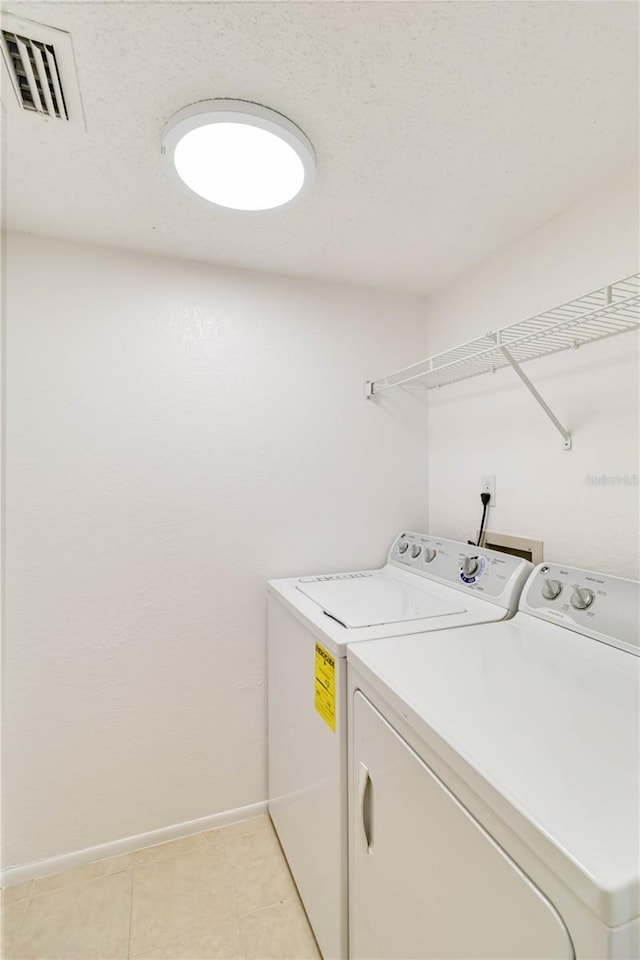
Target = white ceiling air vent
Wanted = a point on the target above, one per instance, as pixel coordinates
(41, 67)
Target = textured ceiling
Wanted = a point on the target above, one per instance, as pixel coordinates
(443, 130)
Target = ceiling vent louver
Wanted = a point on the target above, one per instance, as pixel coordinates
(40, 64)
(36, 74)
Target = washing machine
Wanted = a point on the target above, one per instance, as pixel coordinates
(494, 779)
(427, 585)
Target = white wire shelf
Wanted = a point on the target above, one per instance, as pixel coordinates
(603, 313)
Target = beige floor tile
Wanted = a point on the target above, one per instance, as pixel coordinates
(12, 919)
(210, 896)
(209, 839)
(263, 842)
(258, 871)
(172, 848)
(81, 921)
(179, 896)
(281, 932)
(218, 943)
(20, 891)
(88, 871)
(241, 827)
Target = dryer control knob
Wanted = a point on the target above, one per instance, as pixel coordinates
(582, 597)
(403, 546)
(429, 554)
(470, 566)
(416, 550)
(551, 589)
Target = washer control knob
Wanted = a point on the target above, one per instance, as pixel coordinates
(582, 597)
(429, 554)
(551, 589)
(470, 566)
(416, 550)
(403, 546)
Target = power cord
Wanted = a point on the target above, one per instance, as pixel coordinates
(485, 497)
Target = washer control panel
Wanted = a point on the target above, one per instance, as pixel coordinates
(496, 576)
(603, 607)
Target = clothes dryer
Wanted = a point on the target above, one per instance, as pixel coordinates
(495, 782)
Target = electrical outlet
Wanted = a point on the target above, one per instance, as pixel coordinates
(488, 485)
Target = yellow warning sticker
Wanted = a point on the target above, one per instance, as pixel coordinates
(325, 687)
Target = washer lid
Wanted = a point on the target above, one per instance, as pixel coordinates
(374, 599)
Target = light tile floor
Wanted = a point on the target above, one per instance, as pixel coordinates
(226, 894)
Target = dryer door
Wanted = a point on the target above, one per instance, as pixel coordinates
(426, 880)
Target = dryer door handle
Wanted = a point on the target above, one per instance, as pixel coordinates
(365, 794)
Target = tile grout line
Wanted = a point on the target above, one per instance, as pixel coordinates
(236, 914)
(130, 912)
(23, 918)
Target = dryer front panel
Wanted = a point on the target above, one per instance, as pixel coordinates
(426, 880)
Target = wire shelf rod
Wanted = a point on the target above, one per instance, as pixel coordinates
(566, 436)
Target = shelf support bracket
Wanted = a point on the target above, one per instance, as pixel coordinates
(368, 389)
(566, 436)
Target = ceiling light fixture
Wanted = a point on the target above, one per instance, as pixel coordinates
(238, 154)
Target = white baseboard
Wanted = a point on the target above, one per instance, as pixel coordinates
(66, 861)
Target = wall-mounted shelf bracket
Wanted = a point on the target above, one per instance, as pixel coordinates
(368, 389)
(566, 436)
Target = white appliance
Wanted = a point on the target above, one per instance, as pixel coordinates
(427, 584)
(495, 782)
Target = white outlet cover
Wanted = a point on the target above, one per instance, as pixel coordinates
(488, 485)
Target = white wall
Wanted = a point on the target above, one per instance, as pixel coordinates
(176, 434)
(492, 425)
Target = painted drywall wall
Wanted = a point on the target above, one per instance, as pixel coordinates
(491, 425)
(176, 434)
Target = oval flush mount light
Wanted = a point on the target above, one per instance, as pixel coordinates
(238, 154)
